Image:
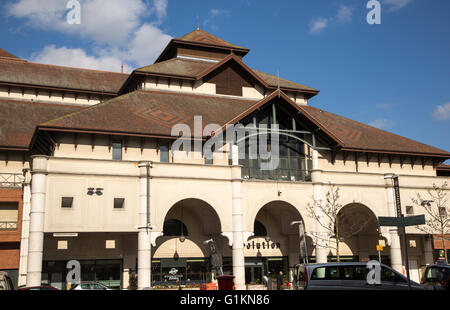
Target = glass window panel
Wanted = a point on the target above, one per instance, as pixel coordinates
(117, 150)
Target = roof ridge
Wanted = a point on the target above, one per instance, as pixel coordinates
(221, 42)
(75, 68)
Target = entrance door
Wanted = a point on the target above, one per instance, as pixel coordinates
(254, 273)
(414, 271)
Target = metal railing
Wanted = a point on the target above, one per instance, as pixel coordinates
(11, 180)
(8, 226)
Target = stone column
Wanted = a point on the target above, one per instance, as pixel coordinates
(428, 250)
(321, 233)
(238, 214)
(396, 251)
(24, 237)
(37, 217)
(144, 242)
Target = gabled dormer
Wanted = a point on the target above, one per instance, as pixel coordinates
(203, 45)
(201, 63)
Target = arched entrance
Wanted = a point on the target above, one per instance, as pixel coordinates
(181, 255)
(276, 244)
(359, 234)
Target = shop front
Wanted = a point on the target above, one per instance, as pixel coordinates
(106, 272)
(181, 271)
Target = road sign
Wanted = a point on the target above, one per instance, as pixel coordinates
(379, 247)
(402, 221)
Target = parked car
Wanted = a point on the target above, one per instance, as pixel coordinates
(436, 277)
(348, 276)
(90, 286)
(5, 282)
(38, 288)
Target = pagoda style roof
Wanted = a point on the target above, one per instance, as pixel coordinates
(192, 69)
(154, 113)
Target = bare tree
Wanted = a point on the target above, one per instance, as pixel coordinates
(336, 223)
(438, 211)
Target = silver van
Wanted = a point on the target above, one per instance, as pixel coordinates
(5, 282)
(348, 276)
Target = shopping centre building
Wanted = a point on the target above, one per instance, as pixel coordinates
(94, 170)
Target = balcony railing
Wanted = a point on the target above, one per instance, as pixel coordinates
(8, 226)
(11, 180)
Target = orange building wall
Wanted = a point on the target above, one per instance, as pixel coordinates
(10, 239)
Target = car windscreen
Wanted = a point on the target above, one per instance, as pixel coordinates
(435, 273)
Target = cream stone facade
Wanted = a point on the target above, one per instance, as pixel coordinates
(103, 186)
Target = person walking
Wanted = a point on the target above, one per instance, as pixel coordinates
(279, 280)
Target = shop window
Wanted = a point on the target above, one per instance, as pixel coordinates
(66, 202)
(119, 203)
(174, 227)
(409, 210)
(259, 229)
(9, 212)
(117, 149)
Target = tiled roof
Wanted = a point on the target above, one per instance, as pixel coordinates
(34, 74)
(200, 36)
(19, 119)
(193, 68)
(155, 113)
(273, 81)
(178, 66)
(5, 54)
(358, 136)
(152, 113)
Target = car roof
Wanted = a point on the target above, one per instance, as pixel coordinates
(337, 264)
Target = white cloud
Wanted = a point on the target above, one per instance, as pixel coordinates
(382, 123)
(106, 21)
(317, 25)
(394, 5)
(442, 112)
(160, 7)
(77, 57)
(344, 14)
(213, 14)
(145, 46)
(116, 27)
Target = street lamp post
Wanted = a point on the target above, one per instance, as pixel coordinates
(302, 235)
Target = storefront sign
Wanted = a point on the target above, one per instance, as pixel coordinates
(173, 275)
(263, 245)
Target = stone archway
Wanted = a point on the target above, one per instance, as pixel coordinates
(184, 249)
(276, 245)
(359, 231)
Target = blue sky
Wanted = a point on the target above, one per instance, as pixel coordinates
(395, 76)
